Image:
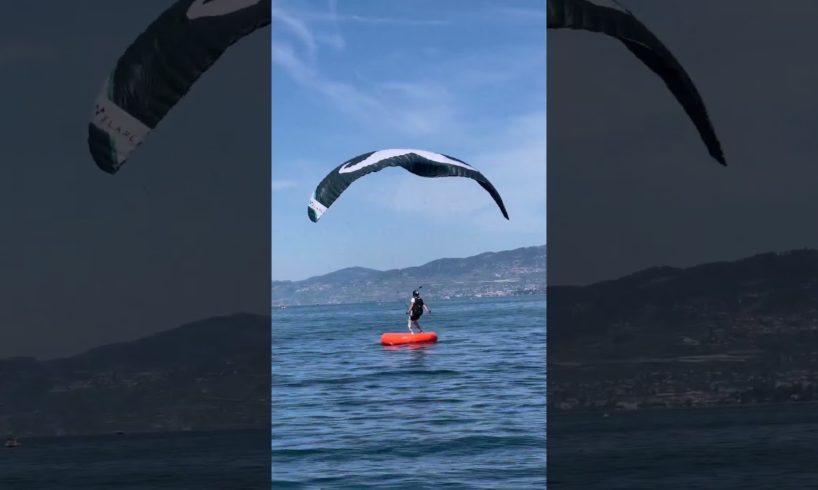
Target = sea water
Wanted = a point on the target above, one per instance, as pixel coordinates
(466, 412)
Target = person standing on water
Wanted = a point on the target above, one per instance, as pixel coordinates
(416, 309)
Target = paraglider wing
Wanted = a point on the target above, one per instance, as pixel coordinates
(159, 68)
(622, 25)
(419, 162)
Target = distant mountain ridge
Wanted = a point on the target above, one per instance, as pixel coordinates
(768, 284)
(507, 273)
(743, 331)
(205, 375)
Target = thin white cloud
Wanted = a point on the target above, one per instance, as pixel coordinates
(521, 13)
(422, 108)
(335, 17)
(278, 185)
(392, 20)
(296, 27)
(284, 56)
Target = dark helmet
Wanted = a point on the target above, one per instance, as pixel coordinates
(416, 294)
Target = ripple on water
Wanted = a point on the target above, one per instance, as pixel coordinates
(468, 411)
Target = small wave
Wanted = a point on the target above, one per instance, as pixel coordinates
(424, 372)
(476, 443)
(367, 377)
(313, 451)
(357, 402)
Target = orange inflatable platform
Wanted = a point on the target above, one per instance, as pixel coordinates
(399, 338)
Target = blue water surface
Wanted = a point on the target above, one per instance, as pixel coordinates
(733, 448)
(466, 412)
(225, 460)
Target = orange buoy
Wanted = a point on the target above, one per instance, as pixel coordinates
(398, 338)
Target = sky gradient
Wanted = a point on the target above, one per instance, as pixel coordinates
(357, 76)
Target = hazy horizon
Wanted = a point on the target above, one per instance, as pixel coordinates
(406, 266)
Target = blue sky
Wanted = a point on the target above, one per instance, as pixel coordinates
(461, 78)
